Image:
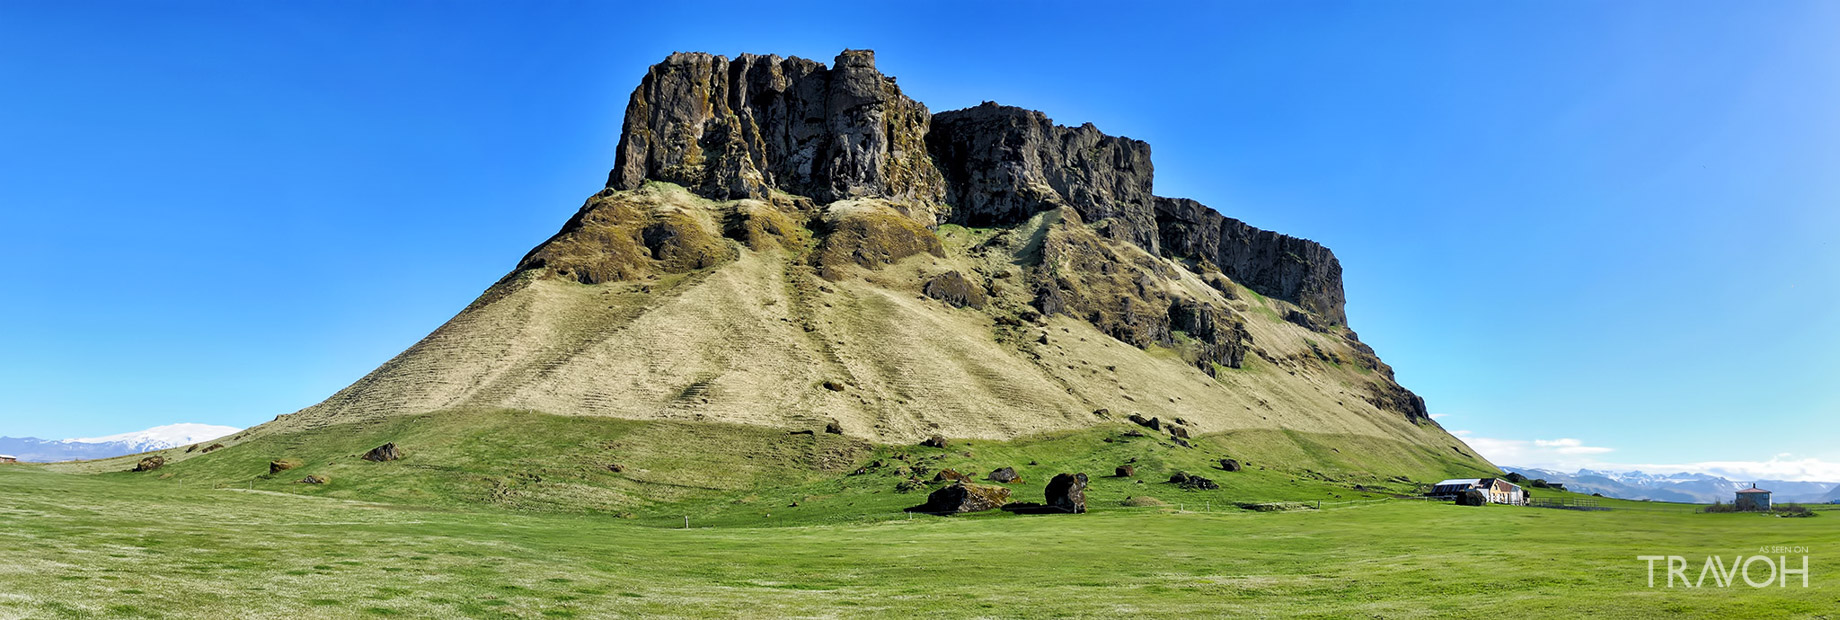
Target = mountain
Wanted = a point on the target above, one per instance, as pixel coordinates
(786, 245)
(1677, 487)
(156, 438)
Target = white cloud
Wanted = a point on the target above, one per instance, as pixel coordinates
(1569, 454)
(1439, 416)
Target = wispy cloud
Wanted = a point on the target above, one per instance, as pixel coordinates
(1568, 454)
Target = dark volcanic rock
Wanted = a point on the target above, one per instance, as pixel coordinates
(1296, 270)
(954, 288)
(963, 497)
(1198, 482)
(1004, 474)
(1125, 471)
(281, 465)
(1222, 338)
(950, 475)
(1067, 493)
(1473, 497)
(150, 463)
(1230, 465)
(834, 428)
(934, 442)
(385, 452)
(737, 128)
(1004, 164)
(315, 479)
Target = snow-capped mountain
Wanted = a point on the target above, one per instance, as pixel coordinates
(33, 449)
(1678, 487)
(162, 437)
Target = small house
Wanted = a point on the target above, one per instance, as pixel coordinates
(8, 459)
(1752, 499)
(1499, 491)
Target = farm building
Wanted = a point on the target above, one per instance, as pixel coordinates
(1752, 499)
(1498, 490)
(8, 459)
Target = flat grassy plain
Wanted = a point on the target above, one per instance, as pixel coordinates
(120, 546)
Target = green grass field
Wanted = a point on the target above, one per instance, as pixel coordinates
(122, 545)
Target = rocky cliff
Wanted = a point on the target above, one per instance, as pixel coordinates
(785, 243)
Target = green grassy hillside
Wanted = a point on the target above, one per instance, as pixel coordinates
(741, 474)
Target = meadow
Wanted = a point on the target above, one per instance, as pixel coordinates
(121, 546)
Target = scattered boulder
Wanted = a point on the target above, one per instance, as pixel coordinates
(934, 442)
(1182, 442)
(150, 463)
(191, 448)
(1230, 465)
(215, 446)
(615, 467)
(833, 385)
(834, 428)
(1472, 497)
(963, 497)
(280, 465)
(315, 479)
(1004, 474)
(950, 475)
(1152, 423)
(1125, 471)
(1186, 481)
(1177, 431)
(1067, 493)
(385, 452)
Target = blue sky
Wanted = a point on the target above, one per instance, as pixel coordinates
(1586, 232)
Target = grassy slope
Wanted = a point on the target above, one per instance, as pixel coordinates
(110, 546)
(753, 341)
(739, 474)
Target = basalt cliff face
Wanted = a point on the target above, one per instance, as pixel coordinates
(786, 243)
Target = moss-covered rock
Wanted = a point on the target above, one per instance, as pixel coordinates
(870, 235)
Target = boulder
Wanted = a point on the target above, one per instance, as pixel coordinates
(1067, 493)
(950, 475)
(1230, 465)
(616, 467)
(281, 465)
(834, 428)
(1193, 482)
(1180, 477)
(385, 452)
(215, 446)
(963, 497)
(934, 442)
(150, 463)
(1004, 474)
(1125, 471)
(315, 479)
(1473, 497)
(1178, 432)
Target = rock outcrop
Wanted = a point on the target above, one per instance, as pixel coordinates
(963, 497)
(1005, 164)
(1067, 493)
(741, 128)
(1275, 265)
(385, 452)
(150, 463)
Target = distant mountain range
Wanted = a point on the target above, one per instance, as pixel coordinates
(33, 449)
(1679, 487)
